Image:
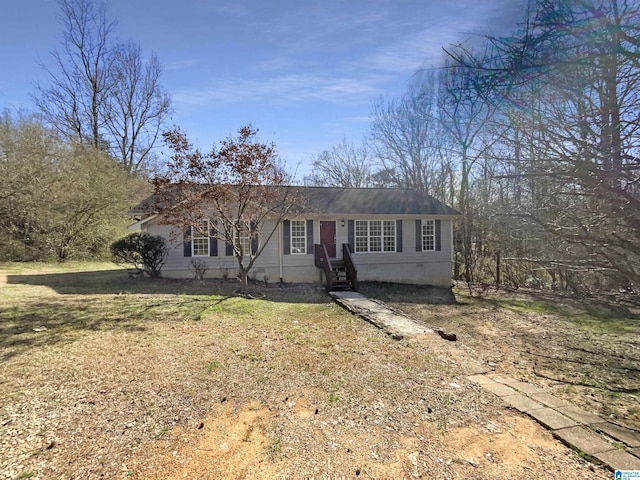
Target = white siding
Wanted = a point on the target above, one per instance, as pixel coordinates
(408, 266)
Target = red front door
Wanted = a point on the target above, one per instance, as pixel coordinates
(328, 236)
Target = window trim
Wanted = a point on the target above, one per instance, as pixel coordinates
(303, 237)
(424, 236)
(381, 237)
(200, 236)
(239, 237)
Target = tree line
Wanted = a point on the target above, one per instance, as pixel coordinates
(533, 137)
(70, 170)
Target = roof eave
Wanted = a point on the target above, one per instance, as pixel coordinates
(138, 225)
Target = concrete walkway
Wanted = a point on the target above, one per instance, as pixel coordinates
(615, 446)
(392, 322)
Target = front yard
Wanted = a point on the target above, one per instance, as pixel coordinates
(108, 376)
(584, 350)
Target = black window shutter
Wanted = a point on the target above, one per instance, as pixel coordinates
(351, 232)
(286, 237)
(254, 237)
(309, 237)
(398, 235)
(213, 244)
(228, 250)
(186, 244)
(418, 235)
(438, 236)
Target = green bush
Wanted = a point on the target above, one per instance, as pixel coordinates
(145, 252)
(59, 200)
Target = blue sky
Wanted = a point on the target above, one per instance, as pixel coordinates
(303, 72)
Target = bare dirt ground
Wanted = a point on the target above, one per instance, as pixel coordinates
(586, 350)
(104, 376)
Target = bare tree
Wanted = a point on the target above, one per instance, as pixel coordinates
(464, 115)
(79, 81)
(406, 135)
(572, 102)
(345, 165)
(137, 108)
(100, 92)
(237, 193)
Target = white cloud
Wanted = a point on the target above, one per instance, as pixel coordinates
(181, 64)
(286, 88)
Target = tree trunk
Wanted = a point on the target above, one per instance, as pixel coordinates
(244, 276)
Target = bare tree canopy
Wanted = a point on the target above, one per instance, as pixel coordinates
(345, 165)
(137, 108)
(406, 135)
(567, 89)
(238, 193)
(100, 90)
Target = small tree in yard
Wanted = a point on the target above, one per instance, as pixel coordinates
(237, 192)
(145, 252)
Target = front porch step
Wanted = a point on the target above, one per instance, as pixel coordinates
(341, 286)
(340, 278)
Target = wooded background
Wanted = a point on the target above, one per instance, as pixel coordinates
(533, 137)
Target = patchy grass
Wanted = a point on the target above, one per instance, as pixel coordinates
(108, 376)
(585, 349)
(594, 316)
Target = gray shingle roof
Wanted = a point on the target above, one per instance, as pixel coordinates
(355, 201)
(372, 201)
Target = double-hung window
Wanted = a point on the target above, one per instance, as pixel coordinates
(200, 238)
(362, 236)
(242, 233)
(298, 237)
(428, 235)
(375, 236)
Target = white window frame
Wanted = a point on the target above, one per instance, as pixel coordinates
(244, 240)
(379, 237)
(300, 248)
(392, 237)
(197, 237)
(359, 239)
(426, 236)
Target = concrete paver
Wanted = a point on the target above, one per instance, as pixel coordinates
(526, 388)
(521, 402)
(583, 439)
(499, 389)
(390, 321)
(551, 419)
(580, 415)
(500, 378)
(574, 426)
(629, 437)
(480, 379)
(619, 459)
(550, 400)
